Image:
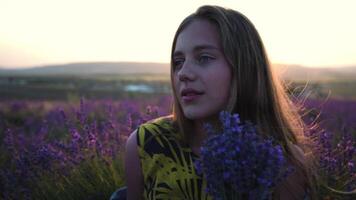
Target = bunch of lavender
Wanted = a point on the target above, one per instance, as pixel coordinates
(238, 163)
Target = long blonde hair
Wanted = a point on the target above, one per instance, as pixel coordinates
(256, 94)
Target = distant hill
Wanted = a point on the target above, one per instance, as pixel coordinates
(299, 73)
(290, 72)
(92, 68)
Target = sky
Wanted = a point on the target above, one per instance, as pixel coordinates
(312, 33)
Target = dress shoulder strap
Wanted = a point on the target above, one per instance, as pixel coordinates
(156, 131)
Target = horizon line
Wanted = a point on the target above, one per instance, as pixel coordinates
(153, 62)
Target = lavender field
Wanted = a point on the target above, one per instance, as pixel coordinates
(58, 150)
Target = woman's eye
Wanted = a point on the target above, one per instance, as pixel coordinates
(177, 63)
(205, 59)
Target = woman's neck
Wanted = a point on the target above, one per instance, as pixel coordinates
(198, 136)
(199, 133)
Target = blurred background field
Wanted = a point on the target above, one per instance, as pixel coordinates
(129, 80)
(63, 128)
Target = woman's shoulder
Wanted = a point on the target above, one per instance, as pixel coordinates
(294, 186)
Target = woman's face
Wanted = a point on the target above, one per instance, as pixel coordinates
(201, 73)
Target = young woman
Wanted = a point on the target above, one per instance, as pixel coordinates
(218, 62)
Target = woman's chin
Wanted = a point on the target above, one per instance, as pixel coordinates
(198, 116)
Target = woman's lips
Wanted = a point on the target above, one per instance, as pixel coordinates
(190, 97)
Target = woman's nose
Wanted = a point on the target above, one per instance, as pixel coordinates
(186, 73)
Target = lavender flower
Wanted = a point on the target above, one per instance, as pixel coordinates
(238, 163)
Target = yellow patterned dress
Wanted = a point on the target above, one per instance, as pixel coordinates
(168, 165)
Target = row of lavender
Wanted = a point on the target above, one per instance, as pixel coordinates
(74, 151)
(67, 151)
(335, 135)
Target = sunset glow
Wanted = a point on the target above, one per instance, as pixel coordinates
(314, 33)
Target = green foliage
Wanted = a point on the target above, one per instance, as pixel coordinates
(92, 179)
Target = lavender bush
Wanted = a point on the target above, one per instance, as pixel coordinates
(67, 151)
(59, 150)
(335, 140)
(240, 164)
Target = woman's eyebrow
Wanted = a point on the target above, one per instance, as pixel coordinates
(197, 48)
(205, 46)
(177, 54)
